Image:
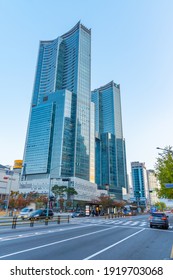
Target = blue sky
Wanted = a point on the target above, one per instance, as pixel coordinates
(132, 44)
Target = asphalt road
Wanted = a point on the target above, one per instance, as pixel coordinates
(88, 238)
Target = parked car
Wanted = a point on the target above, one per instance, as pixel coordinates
(41, 214)
(78, 214)
(159, 219)
(25, 213)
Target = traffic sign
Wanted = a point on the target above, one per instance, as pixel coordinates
(169, 186)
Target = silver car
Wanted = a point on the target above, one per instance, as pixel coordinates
(25, 213)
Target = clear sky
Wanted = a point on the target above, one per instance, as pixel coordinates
(132, 44)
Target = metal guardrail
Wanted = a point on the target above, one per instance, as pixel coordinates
(15, 221)
(117, 215)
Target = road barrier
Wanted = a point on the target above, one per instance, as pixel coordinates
(15, 221)
(111, 216)
(31, 222)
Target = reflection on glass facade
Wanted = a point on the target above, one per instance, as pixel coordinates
(62, 84)
(110, 164)
(139, 182)
(39, 139)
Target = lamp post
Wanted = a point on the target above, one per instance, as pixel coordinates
(68, 186)
(137, 198)
(10, 173)
(166, 150)
(48, 200)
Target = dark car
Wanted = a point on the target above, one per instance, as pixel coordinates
(41, 214)
(78, 214)
(159, 219)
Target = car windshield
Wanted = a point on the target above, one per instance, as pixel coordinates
(25, 210)
(36, 212)
(158, 214)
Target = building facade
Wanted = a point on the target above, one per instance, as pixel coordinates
(59, 128)
(111, 170)
(9, 181)
(140, 183)
(152, 185)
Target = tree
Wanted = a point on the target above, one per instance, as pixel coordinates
(20, 202)
(119, 204)
(105, 201)
(41, 201)
(160, 205)
(164, 172)
(70, 192)
(59, 190)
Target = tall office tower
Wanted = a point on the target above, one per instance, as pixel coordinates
(59, 132)
(140, 183)
(111, 171)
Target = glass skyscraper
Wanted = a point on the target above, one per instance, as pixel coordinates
(139, 182)
(110, 164)
(59, 130)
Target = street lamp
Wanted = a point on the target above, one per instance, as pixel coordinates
(166, 150)
(137, 196)
(107, 188)
(10, 173)
(48, 201)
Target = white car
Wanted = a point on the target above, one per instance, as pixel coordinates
(25, 213)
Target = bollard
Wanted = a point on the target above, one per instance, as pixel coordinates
(32, 222)
(68, 219)
(14, 222)
(46, 221)
(58, 221)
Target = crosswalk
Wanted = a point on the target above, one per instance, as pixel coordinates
(118, 222)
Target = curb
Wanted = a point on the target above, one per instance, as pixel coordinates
(171, 255)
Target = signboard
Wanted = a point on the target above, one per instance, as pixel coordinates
(169, 186)
(9, 172)
(87, 210)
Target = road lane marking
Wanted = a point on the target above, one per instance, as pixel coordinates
(8, 238)
(113, 245)
(57, 242)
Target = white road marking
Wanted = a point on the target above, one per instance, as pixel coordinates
(113, 245)
(7, 238)
(57, 242)
(134, 223)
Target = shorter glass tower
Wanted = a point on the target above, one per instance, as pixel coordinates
(111, 171)
(139, 183)
(50, 135)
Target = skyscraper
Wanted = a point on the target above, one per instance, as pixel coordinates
(140, 183)
(111, 171)
(59, 131)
